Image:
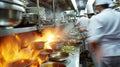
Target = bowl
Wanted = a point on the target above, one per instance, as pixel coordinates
(46, 51)
(53, 64)
(58, 56)
(20, 63)
(44, 54)
(37, 45)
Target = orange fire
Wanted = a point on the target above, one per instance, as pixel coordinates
(11, 51)
(16, 51)
(51, 35)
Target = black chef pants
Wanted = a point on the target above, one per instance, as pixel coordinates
(113, 61)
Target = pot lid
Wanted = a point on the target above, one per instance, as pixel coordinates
(17, 2)
(12, 4)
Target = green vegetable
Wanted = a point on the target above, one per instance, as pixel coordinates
(68, 49)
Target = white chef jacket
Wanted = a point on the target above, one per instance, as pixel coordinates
(105, 28)
(83, 23)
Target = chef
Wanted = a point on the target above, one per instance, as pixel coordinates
(89, 8)
(104, 34)
(82, 22)
(90, 11)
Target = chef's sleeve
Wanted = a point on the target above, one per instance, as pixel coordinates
(95, 30)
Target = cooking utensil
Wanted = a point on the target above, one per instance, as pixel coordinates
(10, 17)
(37, 45)
(29, 19)
(53, 64)
(70, 13)
(58, 56)
(11, 12)
(44, 54)
(20, 63)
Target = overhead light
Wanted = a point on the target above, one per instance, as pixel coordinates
(74, 4)
(81, 4)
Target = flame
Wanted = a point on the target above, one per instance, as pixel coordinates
(50, 35)
(10, 50)
(16, 47)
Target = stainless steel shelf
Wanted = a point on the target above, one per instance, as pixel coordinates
(4, 32)
(74, 58)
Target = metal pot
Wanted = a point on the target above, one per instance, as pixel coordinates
(70, 13)
(30, 18)
(11, 12)
(10, 17)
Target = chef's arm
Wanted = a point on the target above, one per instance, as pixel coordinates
(83, 30)
(94, 33)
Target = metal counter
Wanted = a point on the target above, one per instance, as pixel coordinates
(73, 59)
(5, 32)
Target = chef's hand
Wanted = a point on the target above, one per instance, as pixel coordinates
(83, 30)
(94, 46)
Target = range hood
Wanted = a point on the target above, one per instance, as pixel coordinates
(59, 4)
(81, 4)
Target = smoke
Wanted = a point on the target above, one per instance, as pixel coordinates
(68, 27)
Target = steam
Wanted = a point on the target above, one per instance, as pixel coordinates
(68, 27)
